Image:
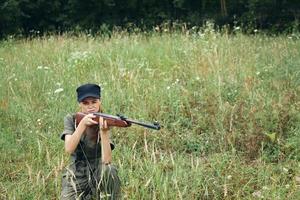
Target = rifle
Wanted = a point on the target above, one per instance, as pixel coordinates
(118, 120)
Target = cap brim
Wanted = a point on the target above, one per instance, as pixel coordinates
(88, 95)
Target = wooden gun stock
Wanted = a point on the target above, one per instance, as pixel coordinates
(110, 119)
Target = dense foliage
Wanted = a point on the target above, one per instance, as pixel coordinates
(40, 16)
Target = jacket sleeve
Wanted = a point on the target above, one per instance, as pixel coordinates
(69, 126)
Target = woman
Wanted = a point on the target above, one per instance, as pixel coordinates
(90, 172)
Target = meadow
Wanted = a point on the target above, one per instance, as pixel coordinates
(228, 103)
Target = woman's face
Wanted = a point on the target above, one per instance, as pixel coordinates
(90, 105)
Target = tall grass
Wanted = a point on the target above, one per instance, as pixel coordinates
(229, 106)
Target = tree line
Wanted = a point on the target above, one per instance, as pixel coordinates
(39, 16)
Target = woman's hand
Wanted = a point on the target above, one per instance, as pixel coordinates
(103, 125)
(88, 120)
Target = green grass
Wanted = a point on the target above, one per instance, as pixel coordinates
(229, 105)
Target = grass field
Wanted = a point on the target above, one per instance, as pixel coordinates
(229, 105)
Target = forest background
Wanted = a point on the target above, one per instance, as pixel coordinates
(31, 17)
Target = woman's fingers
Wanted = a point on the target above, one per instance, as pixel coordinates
(89, 119)
(103, 124)
(100, 121)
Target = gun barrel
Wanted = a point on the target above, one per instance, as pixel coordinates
(155, 126)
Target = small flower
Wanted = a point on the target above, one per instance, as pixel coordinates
(39, 67)
(285, 169)
(265, 188)
(168, 87)
(257, 194)
(201, 35)
(59, 90)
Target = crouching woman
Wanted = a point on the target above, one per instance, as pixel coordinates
(90, 173)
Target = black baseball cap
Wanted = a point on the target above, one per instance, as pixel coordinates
(88, 90)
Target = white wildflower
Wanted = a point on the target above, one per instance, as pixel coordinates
(59, 90)
(201, 35)
(78, 56)
(265, 188)
(257, 194)
(285, 169)
(39, 67)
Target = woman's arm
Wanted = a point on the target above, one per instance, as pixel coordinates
(72, 141)
(105, 142)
